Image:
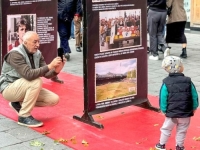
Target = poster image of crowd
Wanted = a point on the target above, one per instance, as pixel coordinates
(17, 25)
(119, 29)
(116, 79)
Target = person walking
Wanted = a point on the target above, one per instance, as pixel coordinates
(176, 22)
(156, 20)
(67, 9)
(178, 101)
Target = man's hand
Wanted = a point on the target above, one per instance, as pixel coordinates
(77, 18)
(60, 66)
(55, 62)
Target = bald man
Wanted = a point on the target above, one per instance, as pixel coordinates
(20, 81)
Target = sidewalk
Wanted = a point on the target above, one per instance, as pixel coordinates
(15, 137)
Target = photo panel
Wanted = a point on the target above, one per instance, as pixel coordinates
(119, 29)
(115, 79)
(17, 25)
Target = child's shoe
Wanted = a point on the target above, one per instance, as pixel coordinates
(160, 147)
(180, 148)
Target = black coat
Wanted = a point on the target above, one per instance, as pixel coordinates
(68, 8)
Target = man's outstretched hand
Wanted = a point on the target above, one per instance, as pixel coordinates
(56, 79)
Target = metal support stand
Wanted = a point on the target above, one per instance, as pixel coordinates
(87, 118)
(147, 105)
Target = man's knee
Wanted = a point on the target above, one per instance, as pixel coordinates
(37, 83)
(55, 100)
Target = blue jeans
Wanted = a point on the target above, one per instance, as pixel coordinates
(72, 29)
(64, 30)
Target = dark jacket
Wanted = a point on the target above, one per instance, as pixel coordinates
(157, 5)
(179, 97)
(67, 9)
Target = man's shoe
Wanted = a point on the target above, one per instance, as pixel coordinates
(160, 147)
(16, 106)
(78, 49)
(56, 79)
(180, 148)
(148, 50)
(67, 56)
(154, 57)
(81, 44)
(29, 122)
(166, 52)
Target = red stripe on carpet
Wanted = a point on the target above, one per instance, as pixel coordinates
(129, 128)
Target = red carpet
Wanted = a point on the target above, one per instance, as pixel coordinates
(129, 128)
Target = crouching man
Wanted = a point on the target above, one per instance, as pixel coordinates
(20, 81)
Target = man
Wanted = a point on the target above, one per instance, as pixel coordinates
(22, 27)
(67, 9)
(20, 81)
(156, 21)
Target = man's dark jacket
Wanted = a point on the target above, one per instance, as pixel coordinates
(68, 8)
(157, 5)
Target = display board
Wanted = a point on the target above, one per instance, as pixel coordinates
(19, 16)
(115, 56)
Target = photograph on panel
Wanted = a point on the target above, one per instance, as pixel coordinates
(115, 79)
(17, 25)
(119, 29)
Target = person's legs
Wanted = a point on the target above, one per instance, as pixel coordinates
(72, 30)
(181, 130)
(47, 98)
(166, 129)
(77, 24)
(23, 91)
(161, 40)
(153, 18)
(64, 30)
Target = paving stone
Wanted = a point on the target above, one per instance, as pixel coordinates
(7, 139)
(48, 145)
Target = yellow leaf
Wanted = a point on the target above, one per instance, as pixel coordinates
(100, 117)
(156, 125)
(45, 132)
(61, 140)
(73, 140)
(85, 143)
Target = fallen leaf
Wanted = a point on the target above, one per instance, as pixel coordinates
(100, 117)
(122, 112)
(36, 143)
(85, 143)
(193, 146)
(196, 138)
(73, 140)
(155, 125)
(61, 140)
(45, 132)
(137, 143)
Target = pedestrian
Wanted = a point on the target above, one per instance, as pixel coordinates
(178, 101)
(156, 21)
(176, 22)
(67, 9)
(20, 81)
